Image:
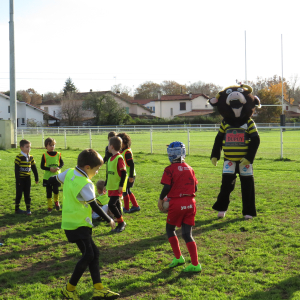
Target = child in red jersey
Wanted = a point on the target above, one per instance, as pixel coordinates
(180, 185)
(128, 158)
(116, 178)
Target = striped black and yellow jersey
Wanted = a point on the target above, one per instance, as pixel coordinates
(24, 165)
(236, 139)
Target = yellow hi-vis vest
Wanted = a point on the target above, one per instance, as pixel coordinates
(74, 212)
(127, 167)
(51, 161)
(113, 178)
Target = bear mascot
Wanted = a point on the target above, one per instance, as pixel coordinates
(239, 139)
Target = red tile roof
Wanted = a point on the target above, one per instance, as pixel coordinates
(196, 113)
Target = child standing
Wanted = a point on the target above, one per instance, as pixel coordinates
(24, 163)
(51, 163)
(78, 202)
(180, 185)
(116, 181)
(128, 158)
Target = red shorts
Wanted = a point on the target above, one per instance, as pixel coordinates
(182, 210)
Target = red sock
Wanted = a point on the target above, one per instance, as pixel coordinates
(120, 220)
(133, 200)
(173, 240)
(192, 247)
(126, 202)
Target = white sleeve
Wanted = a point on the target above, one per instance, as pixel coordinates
(61, 176)
(87, 193)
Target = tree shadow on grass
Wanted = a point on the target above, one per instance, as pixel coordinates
(285, 289)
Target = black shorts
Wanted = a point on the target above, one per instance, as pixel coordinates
(80, 233)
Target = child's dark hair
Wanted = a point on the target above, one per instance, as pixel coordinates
(49, 141)
(89, 157)
(116, 142)
(125, 138)
(100, 185)
(111, 134)
(24, 142)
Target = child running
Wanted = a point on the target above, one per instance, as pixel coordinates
(128, 158)
(78, 202)
(51, 163)
(180, 185)
(116, 181)
(24, 163)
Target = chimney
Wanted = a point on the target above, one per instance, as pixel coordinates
(190, 94)
(181, 90)
(159, 95)
(91, 90)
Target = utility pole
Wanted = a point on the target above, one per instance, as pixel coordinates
(12, 95)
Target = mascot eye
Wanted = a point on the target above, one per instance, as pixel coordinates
(240, 90)
(229, 91)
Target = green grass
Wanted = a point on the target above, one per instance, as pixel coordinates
(255, 259)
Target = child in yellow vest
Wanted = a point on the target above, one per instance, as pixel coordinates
(79, 200)
(116, 178)
(51, 163)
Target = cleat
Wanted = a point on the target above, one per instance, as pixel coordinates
(28, 212)
(192, 269)
(126, 211)
(248, 217)
(134, 209)
(57, 206)
(105, 293)
(221, 214)
(20, 211)
(49, 210)
(175, 262)
(120, 227)
(69, 295)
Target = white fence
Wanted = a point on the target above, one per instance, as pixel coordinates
(276, 141)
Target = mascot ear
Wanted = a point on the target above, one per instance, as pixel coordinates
(257, 101)
(213, 101)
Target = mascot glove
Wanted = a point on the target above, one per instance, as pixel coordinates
(244, 162)
(214, 161)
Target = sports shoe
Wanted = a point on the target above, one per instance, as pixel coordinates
(134, 209)
(248, 217)
(105, 293)
(221, 214)
(175, 262)
(70, 295)
(28, 212)
(192, 269)
(120, 227)
(126, 211)
(57, 206)
(20, 211)
(49, 210)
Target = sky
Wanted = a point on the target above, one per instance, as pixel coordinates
(101, 43)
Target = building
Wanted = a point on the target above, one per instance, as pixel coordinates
(27, 114)
(291, 110)
(133, 109)
(184, 105)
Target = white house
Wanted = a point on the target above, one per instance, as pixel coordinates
(291, 110)
(184, 105)
(53, 107)
(25, 113)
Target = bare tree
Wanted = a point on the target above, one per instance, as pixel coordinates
(71, 109)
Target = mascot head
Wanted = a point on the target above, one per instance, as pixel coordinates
(236, 102)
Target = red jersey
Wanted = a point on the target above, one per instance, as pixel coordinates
(181, 178)
(120, 167)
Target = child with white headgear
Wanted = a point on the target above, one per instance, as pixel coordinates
(180, 185)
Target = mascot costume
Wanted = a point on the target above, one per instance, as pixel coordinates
(239, 139)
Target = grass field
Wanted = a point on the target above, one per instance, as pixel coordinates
(257, 259)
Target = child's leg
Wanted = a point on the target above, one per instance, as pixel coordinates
(113, 206)
(131, 195)
(90, 258)
(190, 243)
(49, 196)
(126, 199)
(19, 192)
(173, 240)
(56, 197)
(26, 189)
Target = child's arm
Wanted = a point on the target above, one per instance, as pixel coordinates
(166, 189)
(17, 173)
(35, 172)
(98, 210)
(123, 177)
(61, 163)
(130, 163)
(43, 164)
